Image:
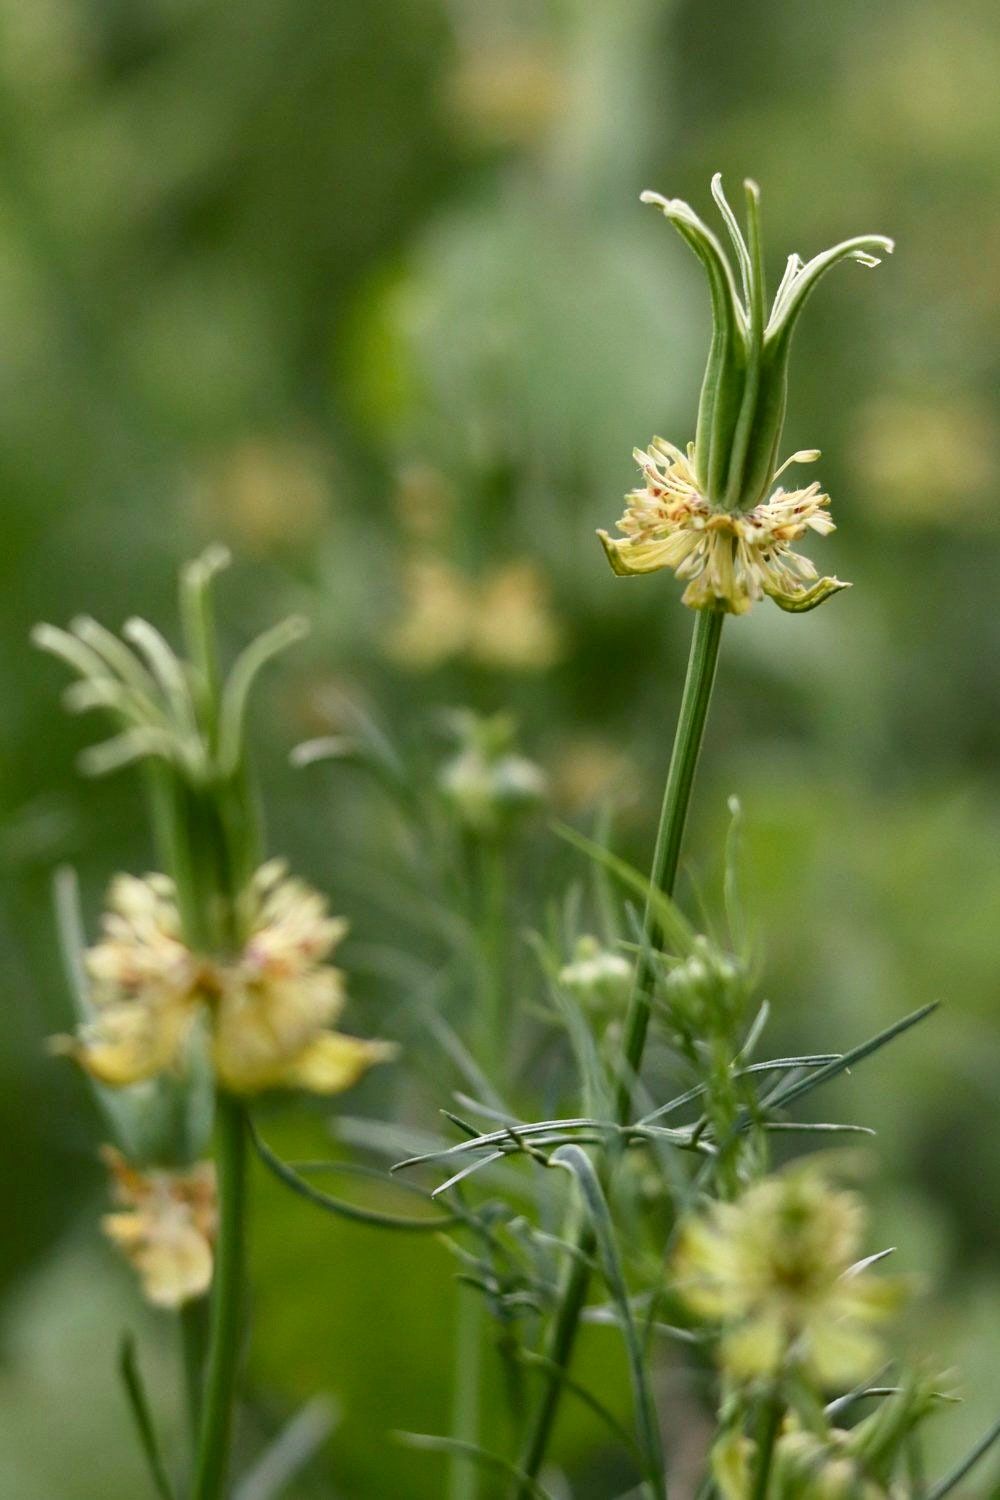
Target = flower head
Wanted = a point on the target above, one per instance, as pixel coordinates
(728, 558)
(276, 1003)
(165, 1225)
(778, 1270)
(269, 1007)
(487, 785)
(713, 514)
(598, 976)
(145, 986)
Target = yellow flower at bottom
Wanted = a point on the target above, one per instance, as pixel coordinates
(165, 1227)
(729, 559)
(778, 1271)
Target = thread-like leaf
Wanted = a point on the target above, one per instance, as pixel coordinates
(964, 1466)
(429, 1443)
(128, 1368)
(293, 1179)
(575, 1160)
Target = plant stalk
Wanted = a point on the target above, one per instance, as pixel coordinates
(489, 893)
(770, 1421)
(698, 683)
(215, 1437)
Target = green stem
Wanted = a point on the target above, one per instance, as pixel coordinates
(676, 796)
(489, 900)
(215, 1437)
(467, 1394)
(767, 1432)
(193, 1330)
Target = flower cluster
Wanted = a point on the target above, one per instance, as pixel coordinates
(269, 1007)
(729, 559)
(778, 1269)
(165, 1225)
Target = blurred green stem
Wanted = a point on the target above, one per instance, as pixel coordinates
(688, 736)
(215, 1436)
(193, 1331)
(767, 1432)
(489, 898)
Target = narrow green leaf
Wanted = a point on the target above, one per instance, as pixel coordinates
(290, 1451)
(294, 1180)
(947, 1484)
(575, 1160)
(128, 1368)
(804, 1086)
(428, 1443)
(559, 1376)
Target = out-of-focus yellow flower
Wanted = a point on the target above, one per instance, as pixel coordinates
(270, 492)
(269, 1007)
(165, 1226)
(506, 93)
(512, 625)
(805, 1467)
(896, 434)
(729, 559)
(276, 1002)
(503, 620)
(145, 986)
(778, 1271)
(435, 622)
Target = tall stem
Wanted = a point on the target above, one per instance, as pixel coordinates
(688, 736)
(215, 1437)
(488, 914)
(767, 1432)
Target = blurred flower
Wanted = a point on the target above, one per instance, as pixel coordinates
(277, 1000)
(729, 558)
(424, 501)
(268, 492)
(597, 975)
(705, 992)
(165, 1227)
(487, 784)
(512, 626)
(588, 769)
(777, 1269)
(805, 1466)
(896, 436)
(434, 626)
(145, 986)
(506, 95)
(503, 620)
(270, 1007)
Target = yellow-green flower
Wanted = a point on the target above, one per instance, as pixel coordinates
(728, 558)
(270, 1007)
(778, 1270)
(165, 1225)
(805, 1467)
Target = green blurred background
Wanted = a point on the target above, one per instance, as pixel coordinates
(366, 292)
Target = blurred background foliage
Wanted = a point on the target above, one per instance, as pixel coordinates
(366, 292)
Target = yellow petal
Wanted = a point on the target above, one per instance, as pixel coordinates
(628, 558)
(756, 1347)
(333, 1062)
(129, 1042)
(839, 1352)
(805, 599)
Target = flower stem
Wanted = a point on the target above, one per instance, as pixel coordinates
(193, 1331)
(688, 736)
(215, 1437)
(489, 902)
(767, 1432)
